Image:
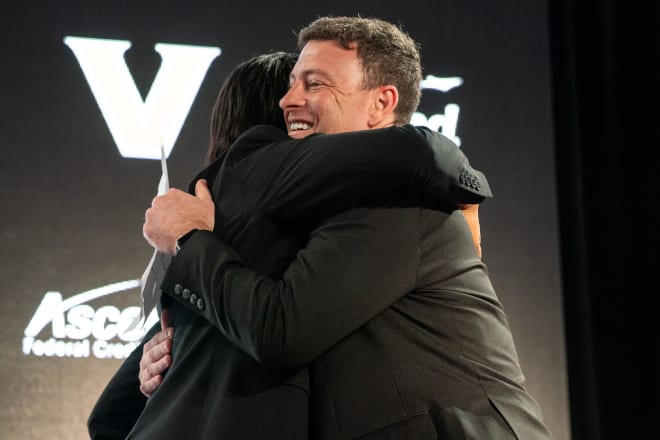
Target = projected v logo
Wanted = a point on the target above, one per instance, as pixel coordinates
(139, 127)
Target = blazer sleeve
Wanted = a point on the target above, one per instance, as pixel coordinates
(355, 266)
(325, 174)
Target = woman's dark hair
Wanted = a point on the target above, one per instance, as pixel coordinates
(248, 97)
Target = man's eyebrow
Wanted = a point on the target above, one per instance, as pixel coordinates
(308, 72)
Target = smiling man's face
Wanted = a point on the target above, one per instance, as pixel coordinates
(326, 94)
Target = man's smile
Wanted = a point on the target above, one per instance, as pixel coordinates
(297, 125)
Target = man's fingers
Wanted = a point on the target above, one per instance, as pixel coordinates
(149, 371)
(146, 231)
(153, 364)
(164, 317)
(156, 357)
(159, 367)
(158, 338)
(202, 190)
(206, 207)
(150, 386)
(471, 214)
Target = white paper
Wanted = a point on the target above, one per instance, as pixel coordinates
(155, 271)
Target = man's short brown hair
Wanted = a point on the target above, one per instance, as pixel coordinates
(389, 56)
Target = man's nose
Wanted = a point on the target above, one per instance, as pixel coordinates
(293, 98)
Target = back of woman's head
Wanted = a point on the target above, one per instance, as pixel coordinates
(248, 97)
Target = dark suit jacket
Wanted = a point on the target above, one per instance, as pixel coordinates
(394, 315)
(268, 191)
(121, 402)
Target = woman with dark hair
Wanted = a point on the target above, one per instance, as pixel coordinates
(212, 389)
(248, 97)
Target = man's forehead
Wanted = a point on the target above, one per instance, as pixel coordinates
(324, 57)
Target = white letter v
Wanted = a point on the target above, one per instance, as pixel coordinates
(139, 127)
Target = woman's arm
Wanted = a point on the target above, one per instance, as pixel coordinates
(323, 174)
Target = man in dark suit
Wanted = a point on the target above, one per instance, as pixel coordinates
(213, 389)
(388, 305)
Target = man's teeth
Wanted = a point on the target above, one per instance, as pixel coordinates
(299, 126)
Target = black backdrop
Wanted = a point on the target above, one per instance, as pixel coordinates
(606, 81)
(73, 205)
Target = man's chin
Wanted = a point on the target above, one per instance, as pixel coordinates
(299, 134)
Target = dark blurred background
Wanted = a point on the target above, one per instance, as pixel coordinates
(605, 56)
(557, 107)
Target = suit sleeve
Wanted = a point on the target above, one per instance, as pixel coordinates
(354, 267)
(325, 174)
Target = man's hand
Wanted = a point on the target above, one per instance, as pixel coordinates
(176, 213)
(156, 357)
(471, 214)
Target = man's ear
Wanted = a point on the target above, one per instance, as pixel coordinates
(385, 100)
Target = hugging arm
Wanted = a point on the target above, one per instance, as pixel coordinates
(312, 178)
(325, 174)
(355, 266)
